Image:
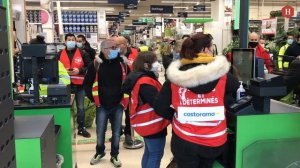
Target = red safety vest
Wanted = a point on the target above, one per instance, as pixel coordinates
(77, 62)
(132, 56)
(95, 88)
(142, 117)
(200, 118)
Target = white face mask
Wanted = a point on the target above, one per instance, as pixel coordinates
(155, 67)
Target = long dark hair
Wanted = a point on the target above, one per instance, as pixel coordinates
(195, 44)
(144, 57)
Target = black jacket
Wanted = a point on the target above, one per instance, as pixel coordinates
(109, 81)
(292, 78)
(293, 50)
(90, 51)
(147, 92)
(199, 78)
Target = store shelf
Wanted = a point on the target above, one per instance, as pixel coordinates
(80, 24)
(35, 23)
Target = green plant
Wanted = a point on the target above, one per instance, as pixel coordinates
(231, 45)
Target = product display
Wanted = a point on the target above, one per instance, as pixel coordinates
(33, 16)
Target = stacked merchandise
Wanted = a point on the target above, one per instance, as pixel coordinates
(80, 21)
(33, 16)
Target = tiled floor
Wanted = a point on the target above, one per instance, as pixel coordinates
(85, 149)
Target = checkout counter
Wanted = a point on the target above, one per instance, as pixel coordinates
(61, 113)
(265, 133)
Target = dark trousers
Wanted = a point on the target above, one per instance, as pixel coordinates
(191, 155)
(127, 129)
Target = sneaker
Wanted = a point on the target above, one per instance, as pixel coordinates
(128, 141)
(96, 158)
(115, 161)
(83, 132)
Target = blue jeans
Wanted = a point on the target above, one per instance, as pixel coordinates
(154, 151)
(79, 99)
(115, 117)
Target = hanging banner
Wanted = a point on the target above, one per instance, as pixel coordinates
(122, 2)
(124, 14)
(112, 17)
(182, 14)
(130, 6)
(268, 26)
(228, 6)
(199, 8)
(161, 9)
(137, 22)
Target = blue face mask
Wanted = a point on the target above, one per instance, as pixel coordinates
(113, 54)
(71, 45)
(79, 45)
(290, 41)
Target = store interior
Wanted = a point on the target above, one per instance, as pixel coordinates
(38, 130)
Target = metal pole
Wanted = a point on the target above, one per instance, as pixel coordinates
(244, 22)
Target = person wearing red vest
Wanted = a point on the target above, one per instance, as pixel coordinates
(76, 63)
(143, 86)
(130, 55)
(199, 88)
(103, 83)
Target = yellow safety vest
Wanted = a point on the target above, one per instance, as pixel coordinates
(64, 79)
(144, 48)
(280, 55)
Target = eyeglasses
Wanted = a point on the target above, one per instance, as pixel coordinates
(112, 47)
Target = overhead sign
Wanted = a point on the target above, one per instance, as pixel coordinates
(130, 28)
(146, 20)
(137, 22)
(288, 11)
(182, 14)
(130, 6)
(122, 1)
(268, 26)
(199, 8)
(112, 17)
(161, 9)
(124, 14)
(158, 23)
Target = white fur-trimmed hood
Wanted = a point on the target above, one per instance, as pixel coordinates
(198, 75)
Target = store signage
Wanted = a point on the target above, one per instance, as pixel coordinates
(166, 21)
(199, 8)
(130, 27)
(124, 14)
(288, 11)
(146, 20)
(137, 22)
(182, 14)
(161, 9)
(158, 23)
(112, 17)
(130, 6)
(268, 26)
(122, 1)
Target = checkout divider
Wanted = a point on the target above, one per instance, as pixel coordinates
(269, 140)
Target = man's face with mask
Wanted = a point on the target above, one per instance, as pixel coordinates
(70, 43)
(253, 40)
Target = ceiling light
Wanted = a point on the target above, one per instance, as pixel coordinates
(181, 7)
(74, 1)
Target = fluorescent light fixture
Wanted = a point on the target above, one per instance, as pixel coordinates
(152, 14)
(181, 7)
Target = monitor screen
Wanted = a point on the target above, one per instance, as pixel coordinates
(47, 69)
(243, 64)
